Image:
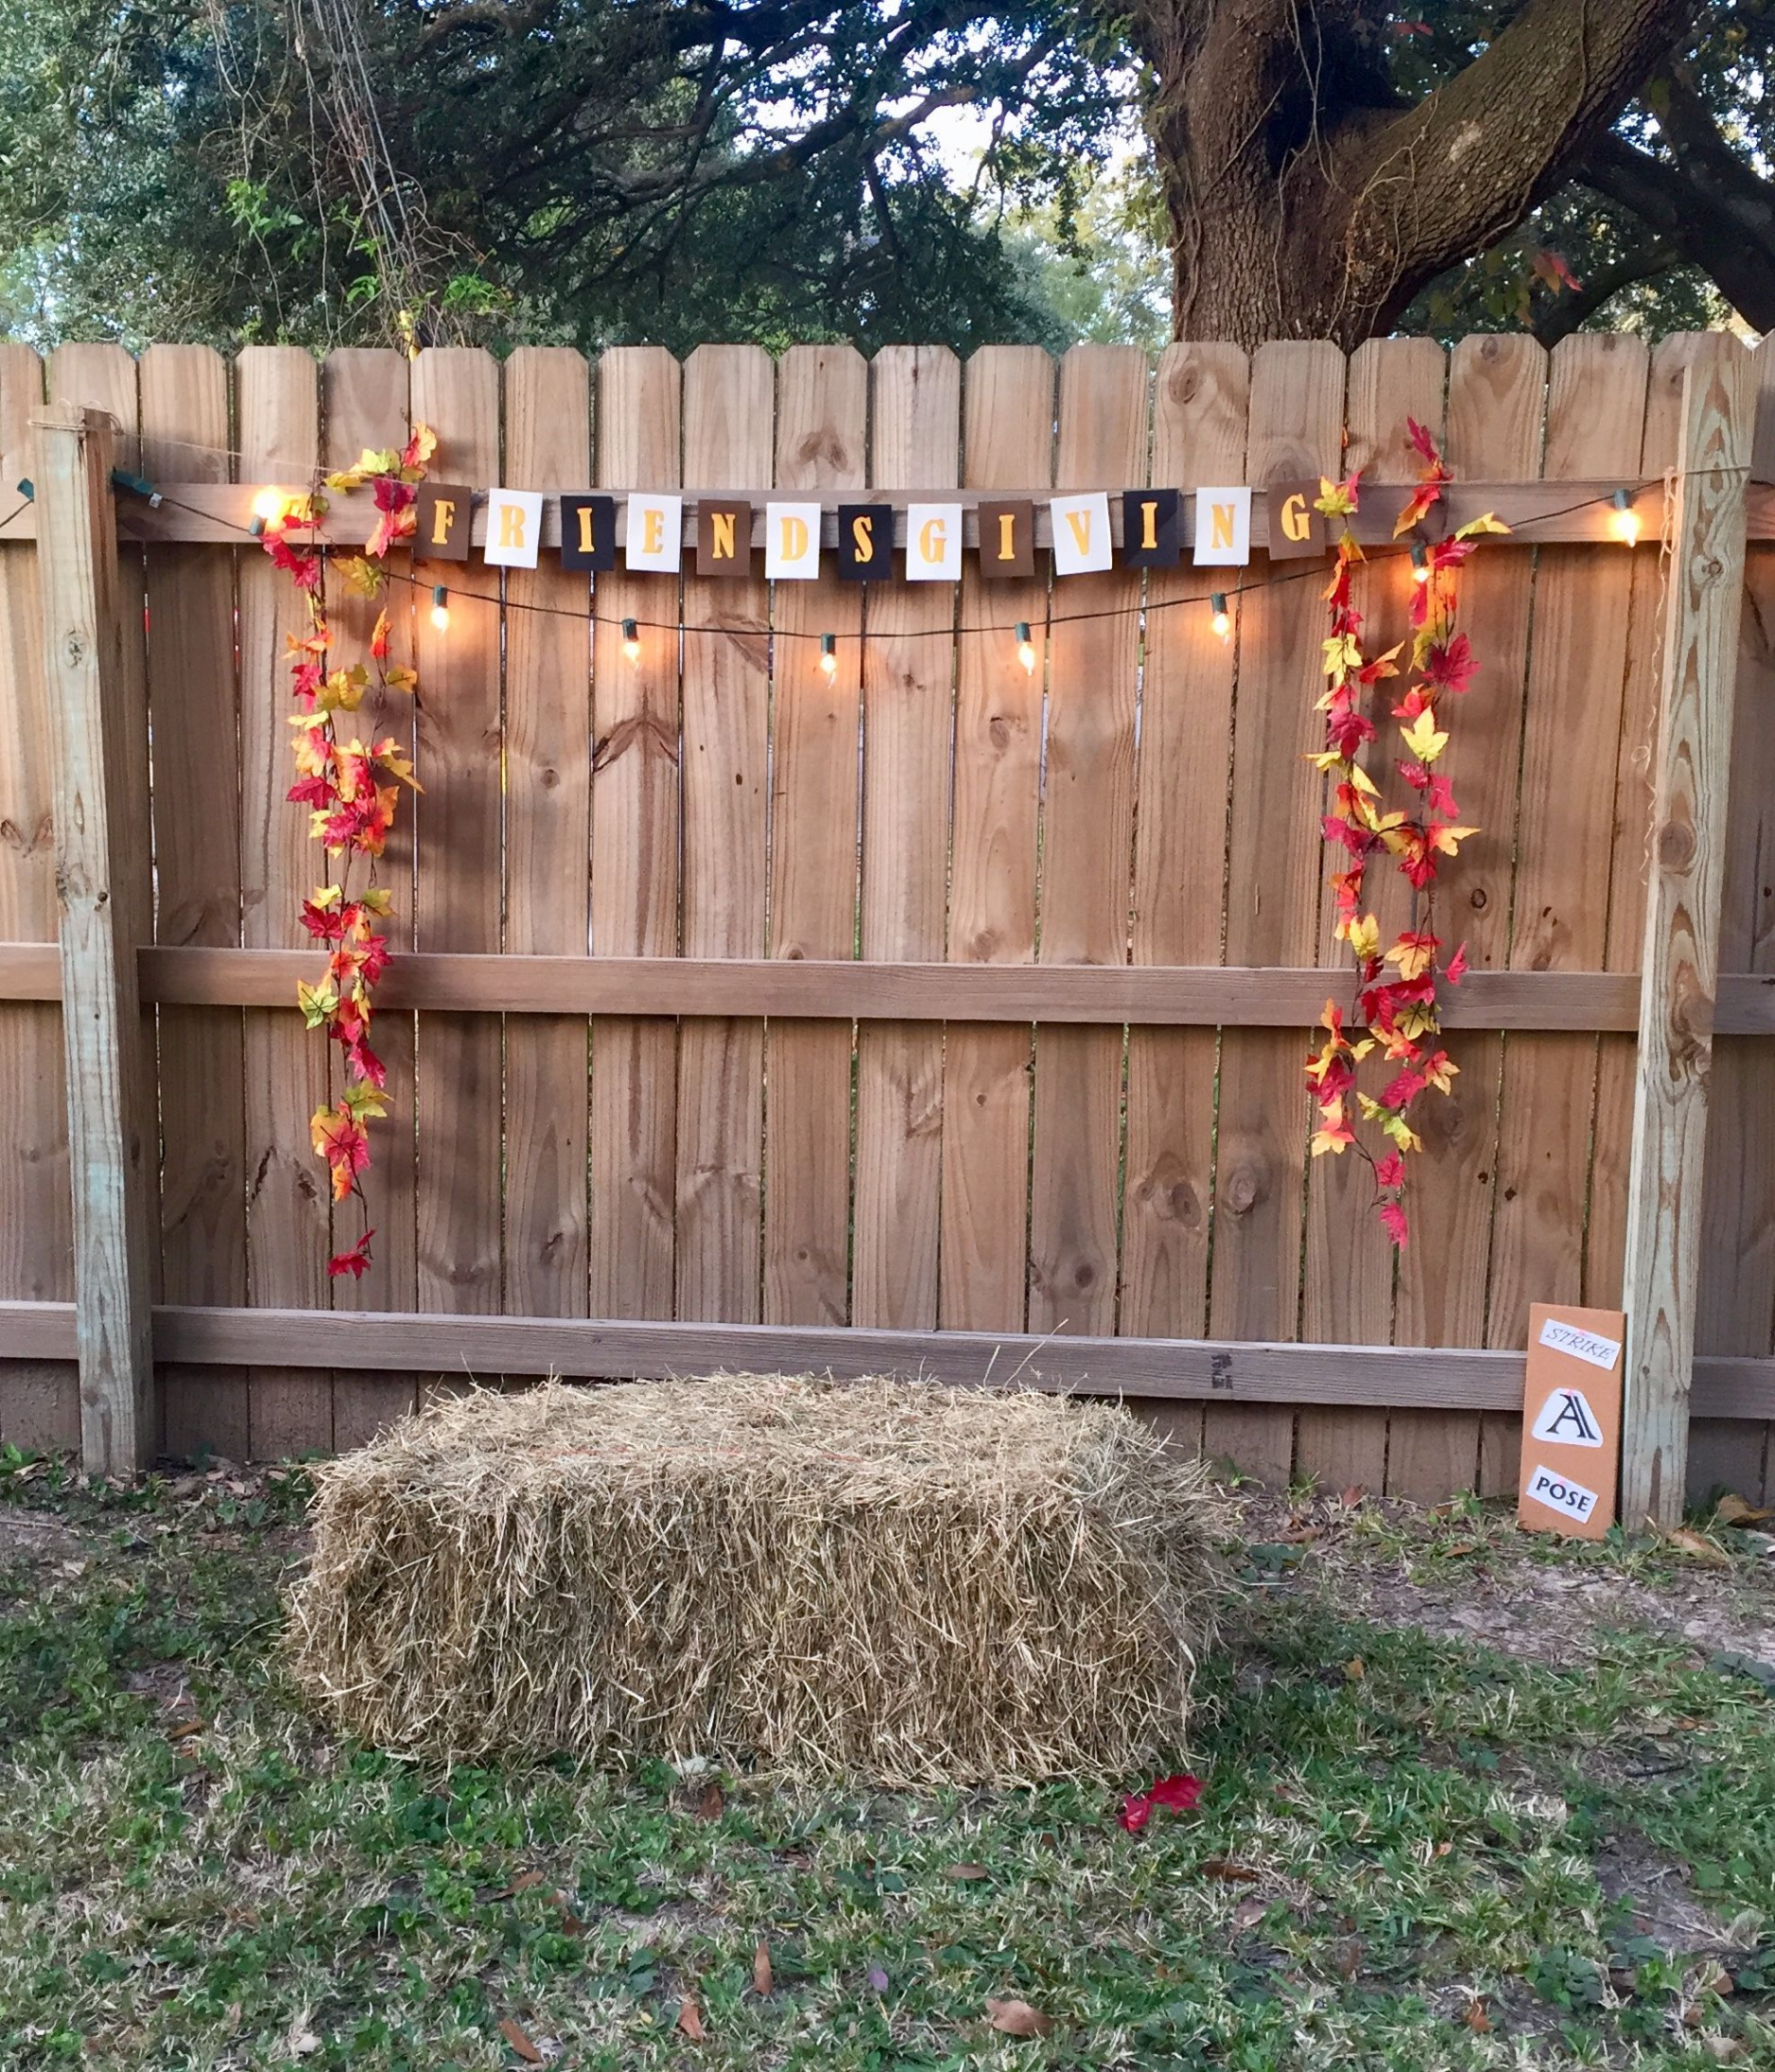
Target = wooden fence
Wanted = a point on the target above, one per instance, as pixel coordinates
(935, 1015)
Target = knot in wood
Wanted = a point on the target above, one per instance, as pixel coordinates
(1676, 844)
(74, 647)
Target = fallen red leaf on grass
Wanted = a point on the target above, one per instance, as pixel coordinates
(763, 1978)
(967, 1871)
(712, 1803)
(1016, 2018)
(520, 2043)
(1226, 1871)
(691, 2019)
(1176, 1794)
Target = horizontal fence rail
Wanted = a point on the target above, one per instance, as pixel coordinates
(1178, 1371)
(1155, 996)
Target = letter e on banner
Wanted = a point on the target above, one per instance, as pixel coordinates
(653, 538)
(1570, 1420)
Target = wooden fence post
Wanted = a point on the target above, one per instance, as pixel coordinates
(104, 894)
(1679, 967)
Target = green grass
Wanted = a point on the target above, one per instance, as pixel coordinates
(1396, 1831)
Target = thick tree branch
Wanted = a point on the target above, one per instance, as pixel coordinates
(1720, 219)
(1570, 311)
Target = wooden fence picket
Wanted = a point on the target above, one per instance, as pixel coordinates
(190, 604)
(729, 410)
(1007, 399)
(38, 1399)
(634, 832)
(548, 844)
(821, 448)
(1087, 857)
(1275, 863)
(908, 729)
(1496, 416)
(366, 397)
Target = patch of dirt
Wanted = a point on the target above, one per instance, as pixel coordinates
(37, 1536)
(1662, 1907)
(1509, 1601)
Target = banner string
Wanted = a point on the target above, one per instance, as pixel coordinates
(1310, 569)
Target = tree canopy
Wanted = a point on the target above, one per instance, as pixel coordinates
(676, 169)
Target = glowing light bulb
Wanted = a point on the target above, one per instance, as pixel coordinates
(441, 608)
(829, 654)
(631, 642)
(1419, 563)
(1025, 647)
(1222, 619)
(269, 506)
(1624, 521)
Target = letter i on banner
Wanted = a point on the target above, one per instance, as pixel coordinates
(1570, 1420)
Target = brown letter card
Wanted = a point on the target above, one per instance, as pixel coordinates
(1570, 1420)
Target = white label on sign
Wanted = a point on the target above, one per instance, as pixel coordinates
(1580, 1344)
(1561, 1493)
(1567, 1416)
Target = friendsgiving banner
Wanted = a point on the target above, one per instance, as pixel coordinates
(798, 540)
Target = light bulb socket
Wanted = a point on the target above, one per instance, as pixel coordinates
(630, 633)
(1419, 558)
(1217, 604)
(829, 643)
(257, 527)
(1621, 500)
(440, 597)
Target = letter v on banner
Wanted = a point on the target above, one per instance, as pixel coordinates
(1570, 1420)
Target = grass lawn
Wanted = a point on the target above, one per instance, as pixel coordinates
(1469, 1801)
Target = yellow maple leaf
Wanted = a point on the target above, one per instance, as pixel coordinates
(1422, 739)
(1364, 937)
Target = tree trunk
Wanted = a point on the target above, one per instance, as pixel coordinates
(1307, 201)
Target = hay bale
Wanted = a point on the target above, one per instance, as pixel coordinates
(901, 1581)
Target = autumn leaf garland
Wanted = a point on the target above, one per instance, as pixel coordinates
(1396, 987)
(350, 789)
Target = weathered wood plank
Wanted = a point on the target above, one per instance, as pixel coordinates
(1174, 1371)
(636, 815)
(196, 860)
(102, 850)
(908, 729)
(822, 441)
(1497, 413)
(40, 1404)
(1349, 1263)
(366, 394)
(1086, 859)
(1681, 956)
(1008, 395)
(548, 846)
(1565, 840)
(1199, 411)
(728, 416)
(1276, 860)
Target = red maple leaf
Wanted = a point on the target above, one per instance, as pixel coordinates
(1177, 1793)
(1393, 1217)
(356, 1261)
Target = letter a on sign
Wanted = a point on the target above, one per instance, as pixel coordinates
(1570, 1420)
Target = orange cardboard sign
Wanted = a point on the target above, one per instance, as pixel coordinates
(1570, 1420)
